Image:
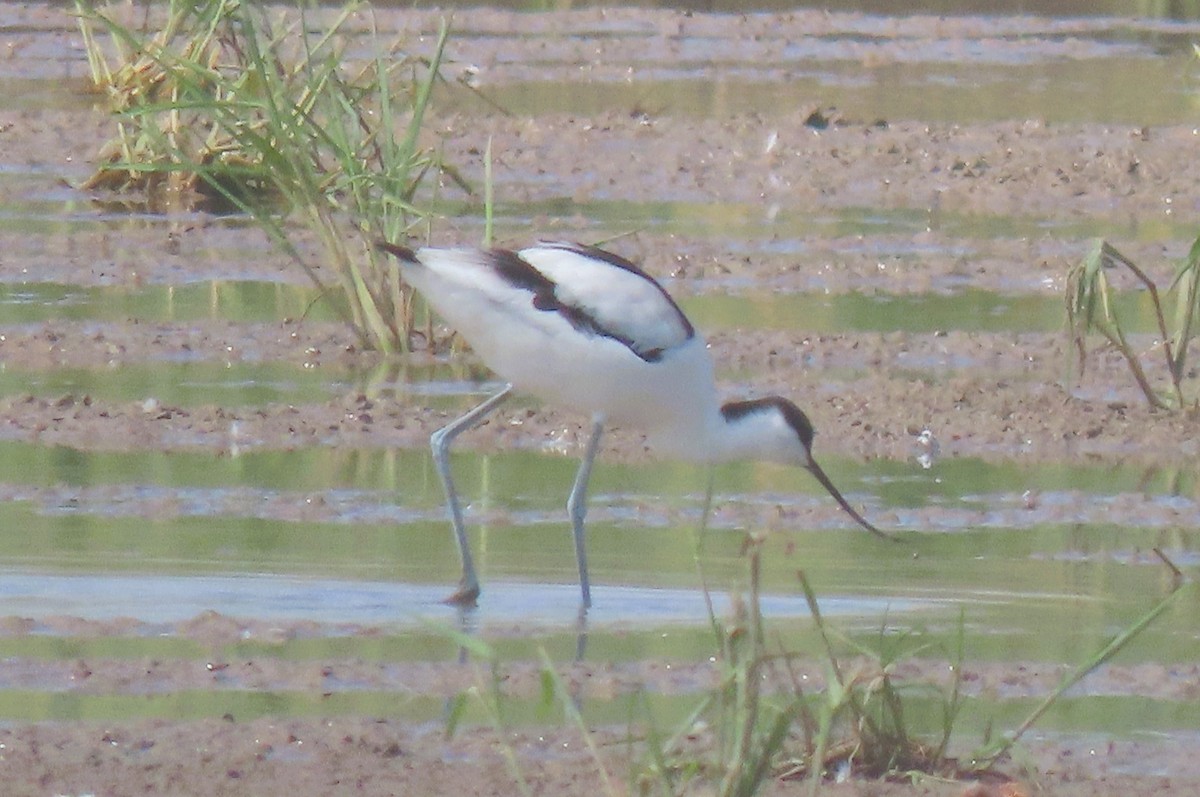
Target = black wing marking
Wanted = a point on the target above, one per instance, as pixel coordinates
(546, 294)
(635, 311)
(596, 253)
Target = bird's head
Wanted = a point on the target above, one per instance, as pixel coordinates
(791, 443)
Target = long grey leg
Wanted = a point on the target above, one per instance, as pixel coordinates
(577, 507)
(439, 441)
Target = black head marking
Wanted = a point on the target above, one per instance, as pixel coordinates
(800, 423)
(792, 415)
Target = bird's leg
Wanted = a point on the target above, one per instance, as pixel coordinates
(440, 441)
(577, 507)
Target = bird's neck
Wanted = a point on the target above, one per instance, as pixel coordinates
(760, 436)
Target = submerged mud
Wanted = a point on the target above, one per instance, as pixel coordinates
(777, 200)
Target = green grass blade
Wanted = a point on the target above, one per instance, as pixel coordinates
(576, 719)
(1118, 643)
(1186, 286)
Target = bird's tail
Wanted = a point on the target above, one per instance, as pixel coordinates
(403, 252)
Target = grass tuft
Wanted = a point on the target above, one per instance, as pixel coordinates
(226, 106)
(1091, 308)
(761, 723)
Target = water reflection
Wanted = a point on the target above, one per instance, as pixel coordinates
(356, 536)
(166, 600)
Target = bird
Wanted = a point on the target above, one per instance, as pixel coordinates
(584, 328)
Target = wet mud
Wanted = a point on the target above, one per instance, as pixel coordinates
(1010, 396)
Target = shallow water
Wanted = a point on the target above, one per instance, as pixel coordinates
(33, 302)
(1028, 562)
(165, 600)
(935, 91)
(734, 305)
(161, 535)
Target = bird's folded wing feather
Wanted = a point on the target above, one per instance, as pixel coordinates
(601, 293)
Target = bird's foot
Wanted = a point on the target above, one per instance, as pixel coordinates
(464, 597)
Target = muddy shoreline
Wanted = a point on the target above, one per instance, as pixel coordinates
(778, 202)
(985, 396)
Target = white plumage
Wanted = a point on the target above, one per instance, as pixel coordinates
(581, 327)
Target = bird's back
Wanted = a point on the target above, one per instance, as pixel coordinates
(574, 325)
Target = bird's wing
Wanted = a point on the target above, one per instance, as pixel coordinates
(603, 294)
